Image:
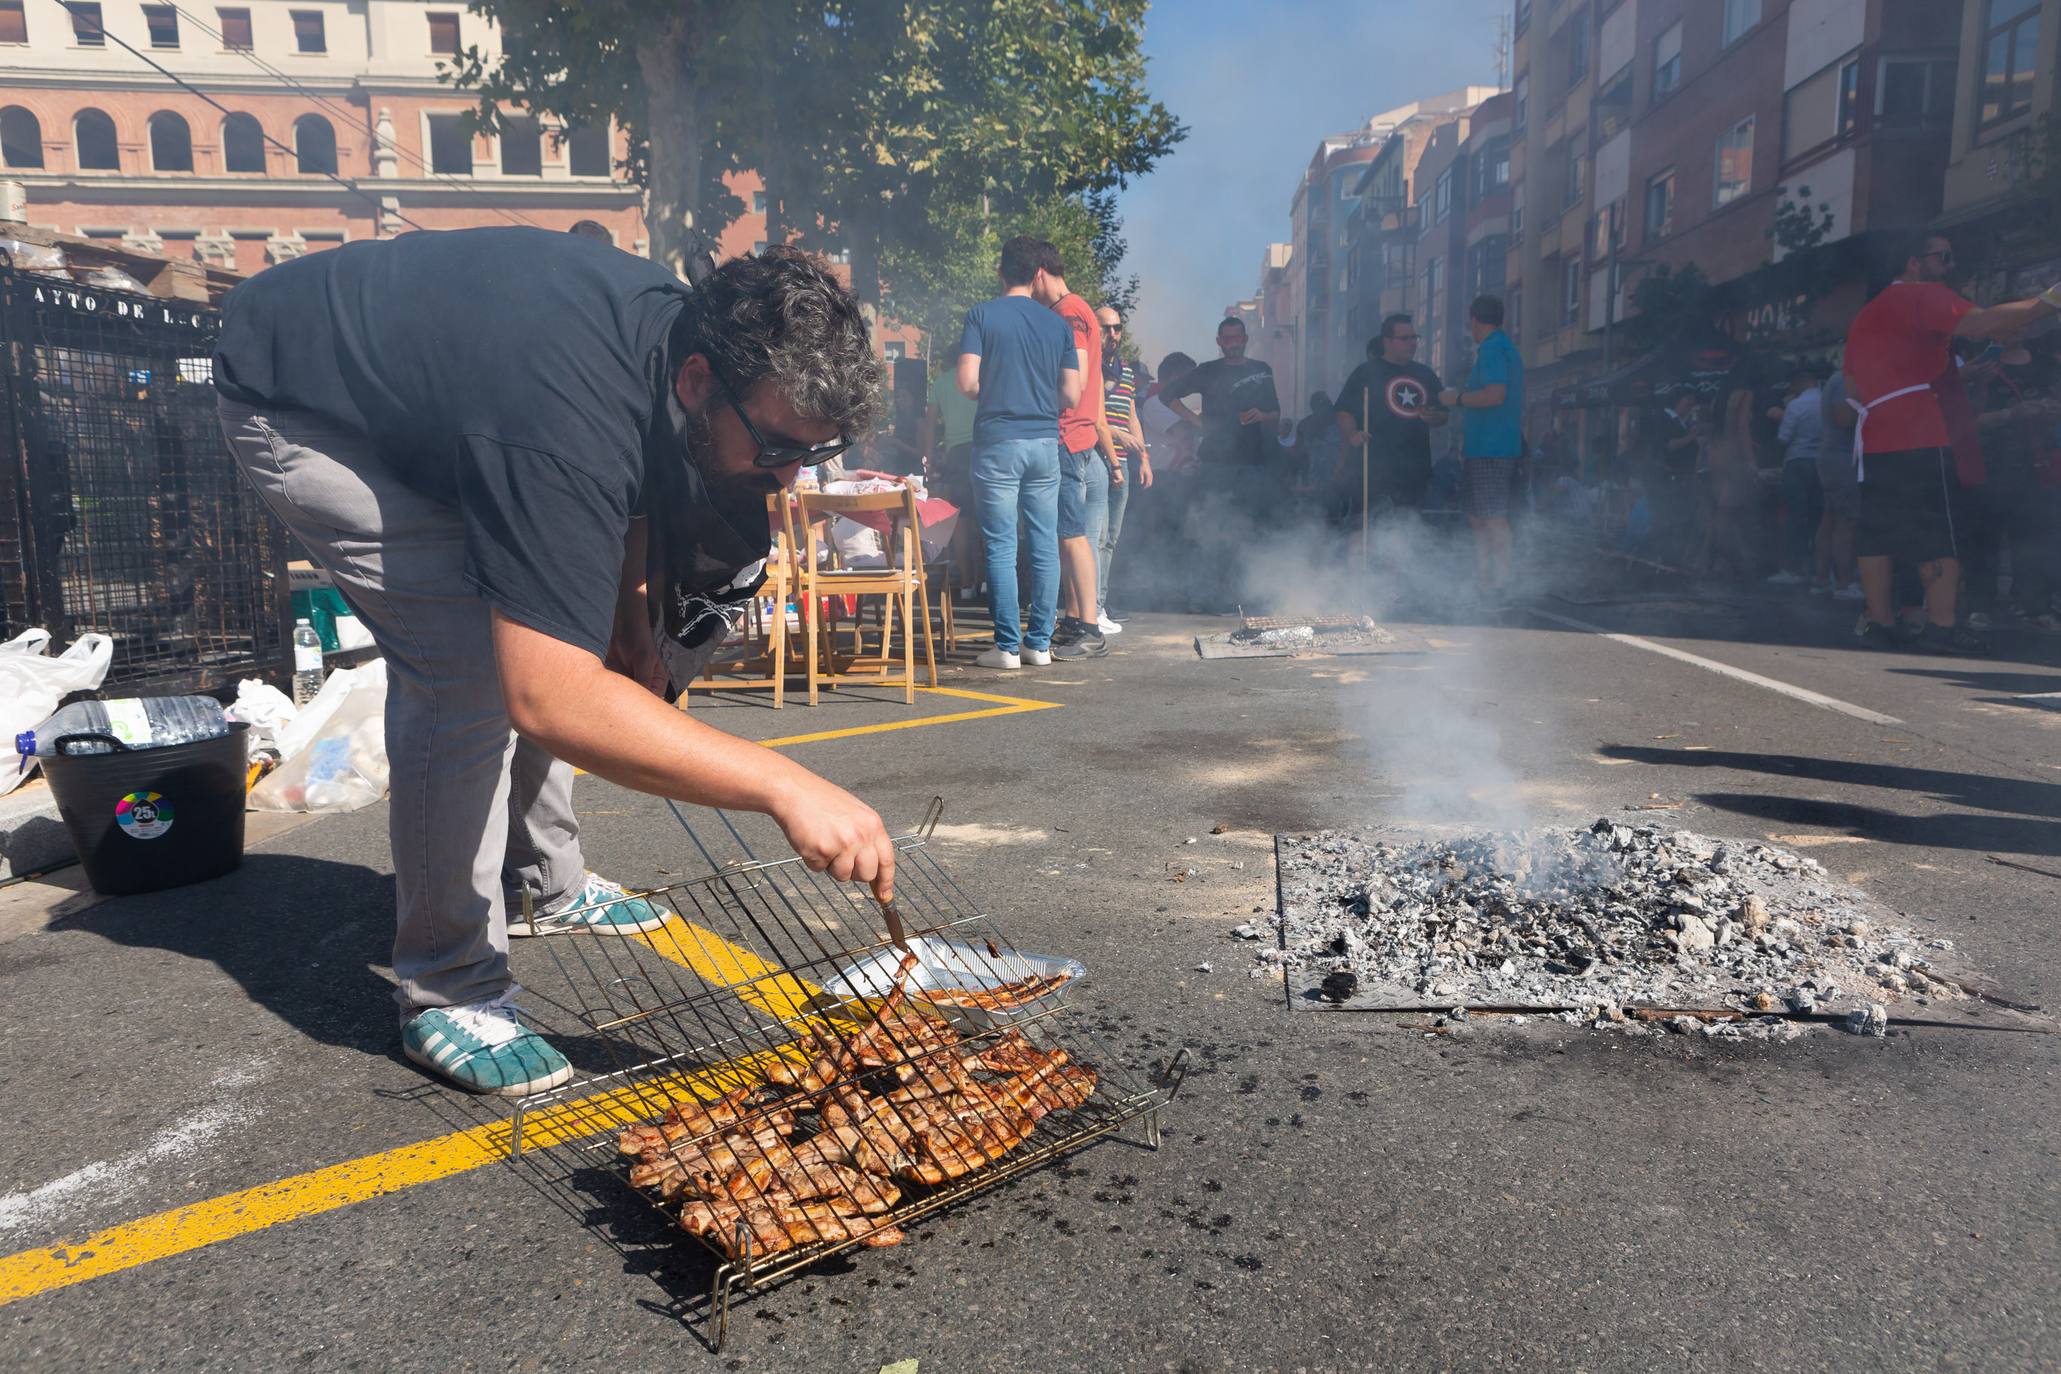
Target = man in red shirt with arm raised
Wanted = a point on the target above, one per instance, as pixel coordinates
(1898, 346)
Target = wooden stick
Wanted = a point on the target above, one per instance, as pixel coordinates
(1365, 494)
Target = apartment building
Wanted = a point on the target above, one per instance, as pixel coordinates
(1324, 232)
(2001, 166)
(1666, 133)
(1270, 320)
(334, 125)
(1317, 219)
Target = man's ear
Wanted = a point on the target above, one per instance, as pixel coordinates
(694, 381)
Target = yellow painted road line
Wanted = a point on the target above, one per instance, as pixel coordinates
(1005, 706)
(200, 1224)
(732, 967)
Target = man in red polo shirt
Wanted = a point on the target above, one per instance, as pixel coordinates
(1898, 346)
(1087, 467)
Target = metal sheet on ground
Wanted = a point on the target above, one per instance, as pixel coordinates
(1224, 646)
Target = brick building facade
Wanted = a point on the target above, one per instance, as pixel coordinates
(1664, 134)
(337, 128)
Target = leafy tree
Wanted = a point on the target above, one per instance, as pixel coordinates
(662, 68)
(1665, 302)
(886, 127)
(932, 289)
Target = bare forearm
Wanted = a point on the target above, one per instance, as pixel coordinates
(2008, 318)
(608, 725)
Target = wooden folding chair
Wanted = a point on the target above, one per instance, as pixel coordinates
(900, 582)
(765, 649)
(940, 574)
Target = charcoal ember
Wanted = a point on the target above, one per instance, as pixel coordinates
(1613, 914)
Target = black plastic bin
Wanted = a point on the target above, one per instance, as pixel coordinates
(146, 819)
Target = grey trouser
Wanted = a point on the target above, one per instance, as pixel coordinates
(477, 814)
(1105, 548)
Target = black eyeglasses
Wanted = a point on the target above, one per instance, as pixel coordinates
(1945, 256)
(777, 455)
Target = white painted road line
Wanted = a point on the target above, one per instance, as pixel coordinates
(1711, 665)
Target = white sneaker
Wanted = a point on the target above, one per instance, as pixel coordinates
(1784, 578)
(1850, 592)
(999, 658)
(1108, 626)
(1037, 658)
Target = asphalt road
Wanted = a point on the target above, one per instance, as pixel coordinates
(1333, 1191)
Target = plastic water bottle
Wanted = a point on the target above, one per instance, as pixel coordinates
(138, 722)
(307, 663)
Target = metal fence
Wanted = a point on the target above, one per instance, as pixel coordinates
(121, 510)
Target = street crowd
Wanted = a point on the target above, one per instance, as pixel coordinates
(1046, 429)
(1918, 475)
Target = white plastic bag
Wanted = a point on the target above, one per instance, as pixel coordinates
(264, 708)
(31, 684)
(334, 750)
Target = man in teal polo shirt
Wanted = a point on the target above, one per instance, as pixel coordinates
(1491, 408)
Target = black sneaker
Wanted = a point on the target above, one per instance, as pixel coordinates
(1955, 640)
(1875, 635)
(1088, 644)
(1067, 631)
(1120, 617)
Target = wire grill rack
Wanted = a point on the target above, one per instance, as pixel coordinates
(763, 999)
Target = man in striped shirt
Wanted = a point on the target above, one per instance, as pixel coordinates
(1122, 380)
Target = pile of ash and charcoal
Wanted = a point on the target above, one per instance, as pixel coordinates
(1314, 634)
(1589, 923)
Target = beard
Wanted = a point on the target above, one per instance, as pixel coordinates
(747, 489)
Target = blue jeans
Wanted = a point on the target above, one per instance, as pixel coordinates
(1011, 478)
(1119, 499)
(1083, 496)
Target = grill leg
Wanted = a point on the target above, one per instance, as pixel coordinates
(719, 1305)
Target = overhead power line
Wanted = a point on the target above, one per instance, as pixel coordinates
(350, 116)
(192, 89)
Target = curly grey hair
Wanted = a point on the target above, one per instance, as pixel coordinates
(780, 316)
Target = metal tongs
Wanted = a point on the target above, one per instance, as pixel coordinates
(895, 932)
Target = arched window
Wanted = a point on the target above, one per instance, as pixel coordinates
(314, 144)
(95, 135)
(171, 143)
(243, 144)
(21, 138)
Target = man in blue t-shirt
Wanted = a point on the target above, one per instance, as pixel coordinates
(1018, 362)
(1491, 408)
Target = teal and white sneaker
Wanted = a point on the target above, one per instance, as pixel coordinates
(484, 1047)
(597, 906)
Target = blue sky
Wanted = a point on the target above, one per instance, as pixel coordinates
(1258, 82)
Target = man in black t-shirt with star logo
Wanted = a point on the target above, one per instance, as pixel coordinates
(1397, 397)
